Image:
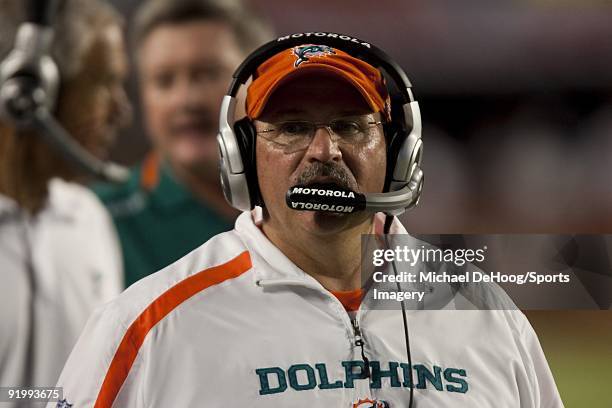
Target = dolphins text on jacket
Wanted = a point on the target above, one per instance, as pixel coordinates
(302, 377)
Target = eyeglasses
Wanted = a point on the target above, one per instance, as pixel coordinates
(296, 135)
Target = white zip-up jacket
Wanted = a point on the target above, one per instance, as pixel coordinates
(56, 267)
(236, 324)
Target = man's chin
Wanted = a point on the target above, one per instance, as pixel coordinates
(321, 222)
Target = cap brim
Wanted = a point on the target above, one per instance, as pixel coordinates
(308, 70)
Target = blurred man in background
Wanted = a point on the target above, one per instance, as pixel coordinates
(186, 52)
(59, 254)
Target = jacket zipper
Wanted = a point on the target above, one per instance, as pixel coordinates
(359, 342)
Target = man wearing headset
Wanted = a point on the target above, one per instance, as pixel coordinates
(273, 313)
(59, 256)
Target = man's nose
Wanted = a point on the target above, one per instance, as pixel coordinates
(186, 95)
(323, 147)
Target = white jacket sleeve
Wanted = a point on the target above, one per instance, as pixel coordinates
(543, 391)
(88, 380)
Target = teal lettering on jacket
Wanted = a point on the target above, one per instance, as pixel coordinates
(306, 377)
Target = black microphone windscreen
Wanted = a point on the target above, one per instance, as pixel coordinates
(325, 199)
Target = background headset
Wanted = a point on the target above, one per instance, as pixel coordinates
(404, 176)
(29, 84)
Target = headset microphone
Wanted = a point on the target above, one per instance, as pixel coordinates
(343, 201)
(29, 83)
(326, 199)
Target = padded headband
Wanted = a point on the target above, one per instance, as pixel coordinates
(353, 46)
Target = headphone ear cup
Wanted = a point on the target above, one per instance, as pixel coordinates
(394, 145)
(404, 155)
(245, 136)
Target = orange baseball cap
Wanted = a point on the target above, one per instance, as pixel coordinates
(316, 58)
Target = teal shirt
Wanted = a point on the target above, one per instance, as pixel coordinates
(159, 223)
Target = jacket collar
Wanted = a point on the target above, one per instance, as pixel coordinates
(274, 266)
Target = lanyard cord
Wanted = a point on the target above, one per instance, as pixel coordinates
(28, 374)
(387, 227)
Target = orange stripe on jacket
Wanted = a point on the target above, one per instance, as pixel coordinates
(149, 174)
(134, 337)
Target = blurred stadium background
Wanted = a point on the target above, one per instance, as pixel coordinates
(516, 98)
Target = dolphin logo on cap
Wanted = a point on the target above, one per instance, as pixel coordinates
(305, 51)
